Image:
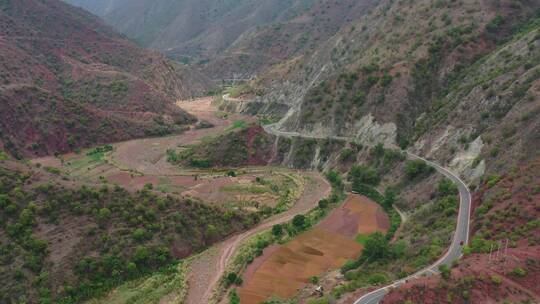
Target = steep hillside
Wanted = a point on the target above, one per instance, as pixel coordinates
(230, 38)
(63, 243)
(192, 30)
(438, 84)
(67, 80)
(503, 262)
(458, 83)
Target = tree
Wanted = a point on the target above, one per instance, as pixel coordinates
(211, 231)
(376, 247)
(389, 197)
(234, 298)
(233, 278)
(139, 234)
(299, 221)
(364, 175)
(323, 204)
(335, 178)
(415, 168)
(446, 187)
(277, 230)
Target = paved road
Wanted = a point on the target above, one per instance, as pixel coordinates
(454, 252)
(461, 235)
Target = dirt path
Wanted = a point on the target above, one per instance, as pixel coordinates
(204, 278)
(148, 158)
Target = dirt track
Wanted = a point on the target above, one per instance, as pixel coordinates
(137, 162)
(203, 280)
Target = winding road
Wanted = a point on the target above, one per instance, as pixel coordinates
(461, 238)
(461, 235)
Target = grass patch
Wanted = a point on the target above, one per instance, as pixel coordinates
(238, 124)
(151, 289)
(362, 238)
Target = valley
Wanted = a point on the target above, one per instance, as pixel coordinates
(269, 151)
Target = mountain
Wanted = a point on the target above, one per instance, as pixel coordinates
(228, 38)
(67, 81)
(419, 76)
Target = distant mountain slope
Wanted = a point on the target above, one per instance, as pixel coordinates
(67, 80)
(194, 30)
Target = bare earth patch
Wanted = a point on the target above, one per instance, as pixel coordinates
(283, 271)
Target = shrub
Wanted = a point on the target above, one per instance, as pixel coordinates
(497, 280)
(346, 155)
(299, 221)
(277, 230)
(417, 168)
(364, 175)
(445, 271)
(446, 187)
(376, 247)
(323, 204)
(519, 272)
(233, 278)
(495, 24)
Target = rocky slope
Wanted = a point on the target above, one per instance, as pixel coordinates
(67, 80)
(434, 86)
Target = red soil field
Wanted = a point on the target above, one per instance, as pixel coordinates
(283, 270)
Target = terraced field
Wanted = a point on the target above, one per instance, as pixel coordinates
(283, 270)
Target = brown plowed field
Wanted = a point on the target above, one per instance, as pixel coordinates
(283, 270)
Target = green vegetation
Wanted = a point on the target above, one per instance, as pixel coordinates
(445, 271)
(421, 241)
(152, 288)
(361, 174)
(254, 246)
(417, 169)
(237, 124)
(518, 272)
(98, 153)
(127, 238)
(235, 148)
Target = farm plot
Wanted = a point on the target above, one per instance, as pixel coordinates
(283, 270)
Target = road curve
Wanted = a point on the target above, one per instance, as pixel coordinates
(461, 235)
(455, 250)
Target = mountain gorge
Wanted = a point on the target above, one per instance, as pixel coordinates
(347, 89)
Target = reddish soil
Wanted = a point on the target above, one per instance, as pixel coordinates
(204, 277)
(472, 281)
(284, 270)
(357, 215)
(72, 44)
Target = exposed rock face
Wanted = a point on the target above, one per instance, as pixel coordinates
(464, 161)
